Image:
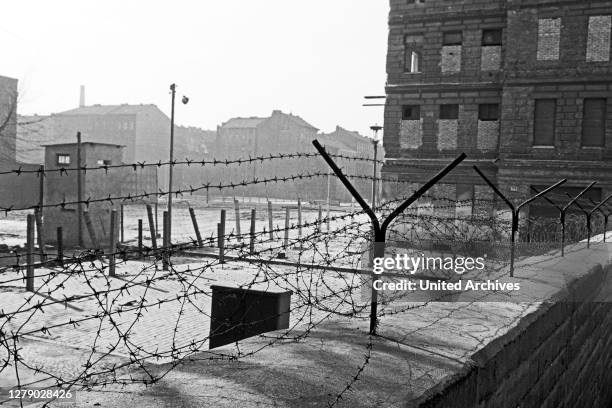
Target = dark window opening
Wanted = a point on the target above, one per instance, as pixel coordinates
(594, 122)
(104, 162)
(449, 112)
(488, 112)
(411, 112)
(452, 38)
(492, 37)
(544, 122)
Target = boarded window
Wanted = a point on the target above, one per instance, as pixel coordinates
(492, 37)
(452, 38)
(488, 112)
(594, 122)
(413, 51)
(549, 37)
(598, 43)
(449, 112)
(63, 159)
(411, 112)
(544, 122)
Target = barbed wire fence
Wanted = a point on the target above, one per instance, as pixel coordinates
(101, 300)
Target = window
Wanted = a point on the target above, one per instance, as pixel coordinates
(452, 38)
(492, 37)
(594, 122)
(413, 51)
(449, 112)
(488, 112)
(63, 159)
(598, 43)
(411, 112)
(549, 36)
(102, 162)
(544, 122)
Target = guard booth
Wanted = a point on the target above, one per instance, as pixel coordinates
(61, 185)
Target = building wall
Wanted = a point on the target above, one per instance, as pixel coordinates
(8, 119)
(549, 49)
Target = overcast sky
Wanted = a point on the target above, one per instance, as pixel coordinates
(314, 58)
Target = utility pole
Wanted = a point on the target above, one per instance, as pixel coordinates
(79, 193)
(375, 129)
(184, 100)
(169, 222)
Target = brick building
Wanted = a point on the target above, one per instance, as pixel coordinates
(523, 87)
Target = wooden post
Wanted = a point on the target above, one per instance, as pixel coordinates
(194, 221)
(30, 254)
(222, 238)
(39, 233)
(252, 233)
(299, 219)
(122, 237)
(152, 227)
(270, 220)
(140, 238)
(113, 243)
(320, 228)
(237, 212)
(156, 218)
(60, 246)
(90, 230)
(165, 246)
(286, 243)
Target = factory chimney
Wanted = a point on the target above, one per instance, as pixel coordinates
(82, 98)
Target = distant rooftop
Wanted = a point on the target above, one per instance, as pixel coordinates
(242, 123)
(82, 143)
(123, 109)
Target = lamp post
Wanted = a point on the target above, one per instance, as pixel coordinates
(375, 129)
(170, 172)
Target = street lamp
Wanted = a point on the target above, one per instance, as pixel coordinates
(185, 100)
(375, 129)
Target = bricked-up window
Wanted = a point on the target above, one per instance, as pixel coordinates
(492, 37)
(63, 159)
(544, 122)
(449, 112)
(413, 51)
(411, 112)
(488, 112)
(452, 38)
(549, 37)
(594, 122)
(598, 43)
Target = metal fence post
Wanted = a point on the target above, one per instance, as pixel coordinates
(515, 210)
(152, 227)
(380, 229)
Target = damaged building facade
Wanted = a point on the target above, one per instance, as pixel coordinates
(523, 87)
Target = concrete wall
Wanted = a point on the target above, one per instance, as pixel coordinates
(560, 355)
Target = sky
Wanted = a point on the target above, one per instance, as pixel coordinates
(315, 58)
